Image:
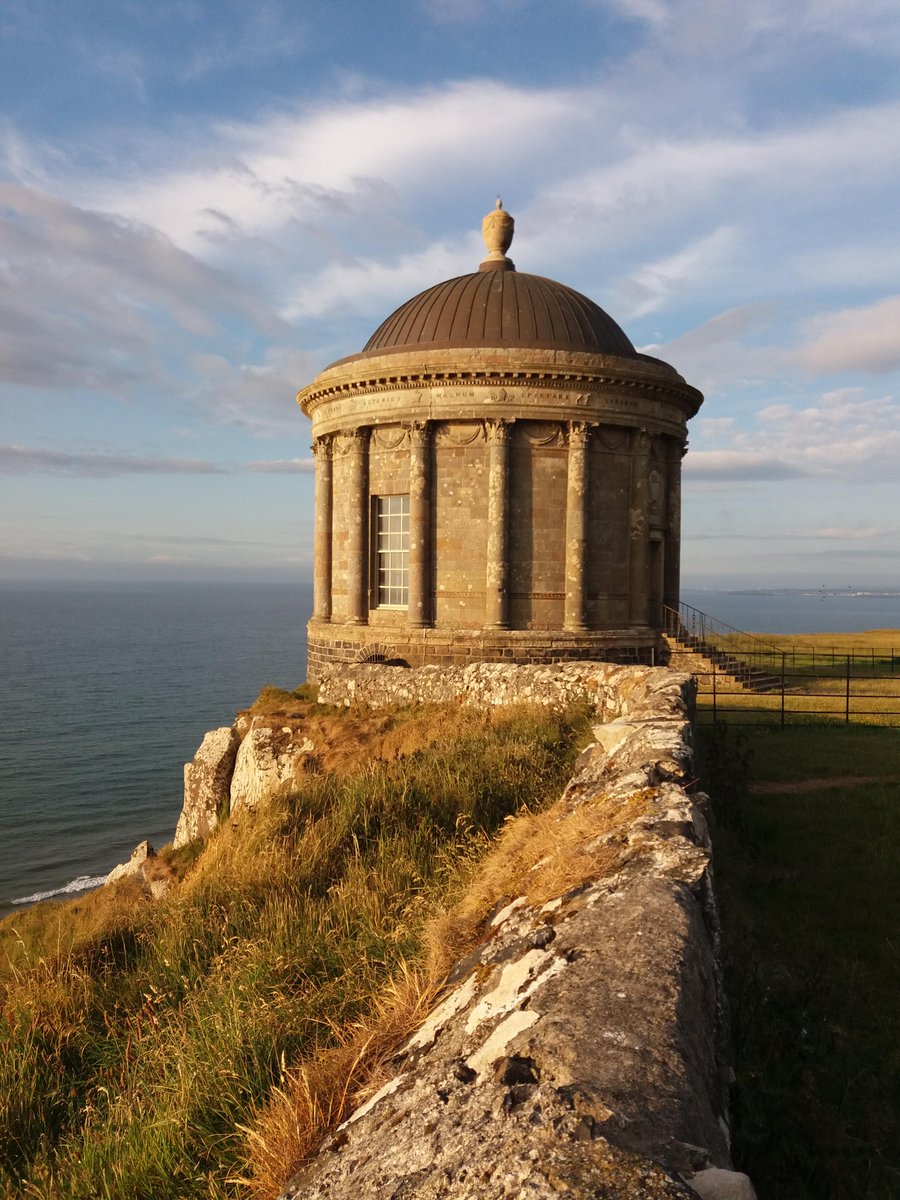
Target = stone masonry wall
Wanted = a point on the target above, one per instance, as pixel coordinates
(579, 1049)
(330, 646)
(616, 692)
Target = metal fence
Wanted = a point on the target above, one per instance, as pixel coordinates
(751, 680)
(800, 696)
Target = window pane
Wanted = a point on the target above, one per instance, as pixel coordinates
(392, 550)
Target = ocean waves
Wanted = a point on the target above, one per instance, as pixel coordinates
(84, 883)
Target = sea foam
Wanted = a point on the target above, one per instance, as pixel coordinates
(83, 883)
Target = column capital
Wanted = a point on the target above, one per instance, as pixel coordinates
(497, 430)
(417, 431)
(350, 441)
(322, 444)
(579, 432)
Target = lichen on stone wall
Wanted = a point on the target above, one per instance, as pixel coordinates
(578, 1049)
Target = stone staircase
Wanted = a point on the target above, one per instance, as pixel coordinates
(689, 652)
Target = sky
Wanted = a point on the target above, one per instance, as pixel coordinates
(204, 203)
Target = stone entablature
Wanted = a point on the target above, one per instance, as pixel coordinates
(480, 383)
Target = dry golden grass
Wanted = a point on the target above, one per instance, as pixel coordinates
(842, 643)
(349, 740)
(138, 1036)
(317, 1096)
(539, 855)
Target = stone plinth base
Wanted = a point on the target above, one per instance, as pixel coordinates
(330, 644)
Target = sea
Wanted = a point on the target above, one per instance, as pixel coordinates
(105, 692)
(107, 689)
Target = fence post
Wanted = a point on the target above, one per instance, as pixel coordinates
(847, 695)
(783, 671)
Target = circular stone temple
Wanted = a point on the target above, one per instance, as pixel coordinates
(497, 479)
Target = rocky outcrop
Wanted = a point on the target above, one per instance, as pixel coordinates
(135, 865)
(271, 759)
(152, 874)
(207, 784)
(578, 1050)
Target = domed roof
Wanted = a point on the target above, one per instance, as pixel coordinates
(500, 306)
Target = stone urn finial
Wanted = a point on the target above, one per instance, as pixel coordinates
(497, 230)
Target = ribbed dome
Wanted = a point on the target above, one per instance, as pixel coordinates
(501, 308)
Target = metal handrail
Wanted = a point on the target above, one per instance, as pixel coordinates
(763, 662)
(690, 619)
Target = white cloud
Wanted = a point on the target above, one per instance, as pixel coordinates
(371, 284)
(649, 286)
(280, 169)
(854, 339)
(283, 466)
(655, 12)
(658, 178)
(708, 27)
(94, 301)
(739, 466)
(21, 460)
(259, 397)
(732, 349)
(845, 436)
(266, 32)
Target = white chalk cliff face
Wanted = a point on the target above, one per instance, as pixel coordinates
(271, 760)
(207, 784)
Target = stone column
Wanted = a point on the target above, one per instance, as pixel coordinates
(576, 525)
(672, 579)
(321, 448)
(496, 606)
(638, 569)
(419, 524)
(357, 446)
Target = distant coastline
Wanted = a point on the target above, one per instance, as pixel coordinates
(799, 610)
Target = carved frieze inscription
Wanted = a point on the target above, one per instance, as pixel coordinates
(617, 405)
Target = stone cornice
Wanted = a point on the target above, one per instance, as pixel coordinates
(494, 374)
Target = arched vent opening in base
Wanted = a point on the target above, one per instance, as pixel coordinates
(385, 656)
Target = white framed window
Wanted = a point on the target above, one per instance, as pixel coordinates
(391, 521)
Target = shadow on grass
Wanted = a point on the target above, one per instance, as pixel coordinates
(810, 900)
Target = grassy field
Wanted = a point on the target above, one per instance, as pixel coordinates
(155, 1049)
(807, 827)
